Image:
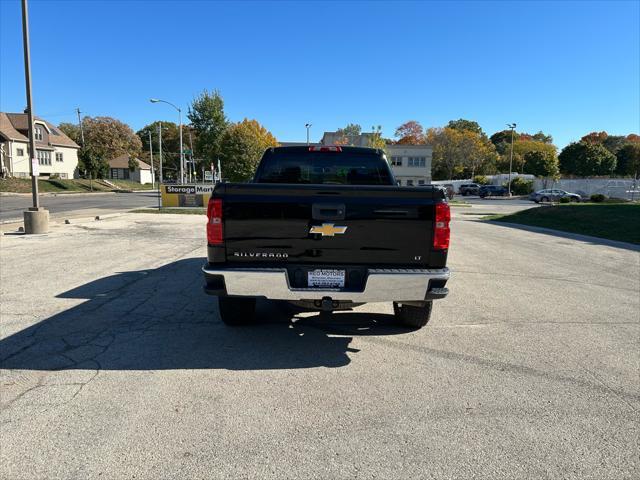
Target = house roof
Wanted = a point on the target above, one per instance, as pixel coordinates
(122, 161)
(15, 126)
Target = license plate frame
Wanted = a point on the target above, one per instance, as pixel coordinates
(326, 278)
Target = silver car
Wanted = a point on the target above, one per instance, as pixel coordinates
(553, 195)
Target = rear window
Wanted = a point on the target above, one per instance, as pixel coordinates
(333, 168)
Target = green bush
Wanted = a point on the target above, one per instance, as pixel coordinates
(519, 186)
(54, 176)
(481, 180)
(598, 198)
(565, 200)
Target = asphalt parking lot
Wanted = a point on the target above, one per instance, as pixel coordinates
(115, 365)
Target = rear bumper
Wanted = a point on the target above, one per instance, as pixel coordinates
(381, 285)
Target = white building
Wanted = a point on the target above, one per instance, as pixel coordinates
(119, 170)
(57, 154)
(411, 164)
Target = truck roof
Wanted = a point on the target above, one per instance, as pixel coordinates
(344, 148)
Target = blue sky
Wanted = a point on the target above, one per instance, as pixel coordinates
(566, 68)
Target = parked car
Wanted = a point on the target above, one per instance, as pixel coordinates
(469, 189)
(326, 228)
(553, 195)
(493, 191)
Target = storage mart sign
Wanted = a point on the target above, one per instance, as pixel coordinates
(186, 195)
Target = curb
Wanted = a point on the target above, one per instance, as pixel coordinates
(569, 235)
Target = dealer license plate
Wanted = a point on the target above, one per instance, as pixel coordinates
(323, 278)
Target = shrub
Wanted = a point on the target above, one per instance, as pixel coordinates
(481, 180)
(598, 198)
(519, 186)
(565, 200)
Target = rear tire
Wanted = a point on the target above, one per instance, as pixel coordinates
(237, 310)
(412, 317)
(544, 199)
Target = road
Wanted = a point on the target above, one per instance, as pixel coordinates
(11, 207)
(116, 365)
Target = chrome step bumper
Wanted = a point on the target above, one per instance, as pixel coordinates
(382, 285)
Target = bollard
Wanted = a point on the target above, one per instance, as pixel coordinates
(36, 220)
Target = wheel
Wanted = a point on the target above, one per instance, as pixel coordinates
(573, 199)
(410, 316)
(237, 310)
(544, 199)
(464, 194)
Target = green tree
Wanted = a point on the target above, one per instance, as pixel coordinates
(462, 125)
(241, 147)
(586, 159)
(376, 140)
(71, 130)
(209, 122)
(542, 163)
(344, 135)
(410, 133)
(170, 144)
(105, 138)
(459, 153)
(542, 137)
(613, 143)
(628, 160)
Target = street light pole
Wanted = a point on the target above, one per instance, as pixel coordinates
(307, 126)
(512, 126)
(157, 100)
(36, 219)
(160, 148)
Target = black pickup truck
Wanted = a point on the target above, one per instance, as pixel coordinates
(326, 228)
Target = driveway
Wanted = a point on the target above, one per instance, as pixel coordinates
(116, 365)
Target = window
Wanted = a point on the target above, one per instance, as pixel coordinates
(396, 161)
(38, 133)
(20, 152)
(409, 183)
(59, 157)
(44, 157)
(417, 161)
(420, 182)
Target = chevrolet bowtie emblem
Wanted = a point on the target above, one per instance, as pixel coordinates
(328, 230)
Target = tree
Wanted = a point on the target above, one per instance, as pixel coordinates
(241, 147)
(209, 121)
(586, 159)
(459, 153)
(542, 137)
(594, 138)
(344, 135)
(410, 133)
(462, 125)
(520, 149)
(633, 138)
(376, 140)
(104, 138)
(71, 130)
(541, 163)
(170, 144)
(628, 160)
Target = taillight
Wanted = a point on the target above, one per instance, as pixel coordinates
(214, 223)
(441, 232)
(325, 149)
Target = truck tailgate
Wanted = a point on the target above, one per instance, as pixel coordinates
(329, 224)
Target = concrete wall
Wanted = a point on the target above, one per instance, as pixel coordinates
(19, 164)
(611, 187)
(404, 172)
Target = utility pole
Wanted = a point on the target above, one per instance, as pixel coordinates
(193, 165)
(160, 148)
(36, 219)
(512, 126)
(82, 141)
(153, 173)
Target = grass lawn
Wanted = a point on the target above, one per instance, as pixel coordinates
(129, 185)
(178, 211)
(613, 221)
